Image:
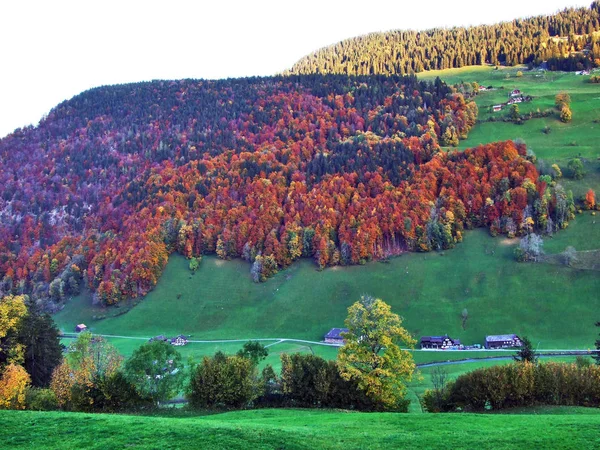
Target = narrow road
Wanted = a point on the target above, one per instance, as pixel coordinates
(554, 354)
(551, 353)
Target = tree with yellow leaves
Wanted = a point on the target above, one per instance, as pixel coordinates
(12, 310)
(13, 384)
(90, 360)
(372, 354)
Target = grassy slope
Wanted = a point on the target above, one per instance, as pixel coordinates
(429, 290)
(299, 429)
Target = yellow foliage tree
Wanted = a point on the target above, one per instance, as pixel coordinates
(89, 360)
(12, 309)
(13, 384)
(62, 383)
(372, 354)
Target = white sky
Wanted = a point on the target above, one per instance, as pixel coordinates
(53, 50)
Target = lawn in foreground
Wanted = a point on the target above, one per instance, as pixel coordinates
(298, 429)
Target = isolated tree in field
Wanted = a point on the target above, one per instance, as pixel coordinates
(569, 256)
(566, 115)
(590, 199)
(576, 167)
(254, 351)
(514, 113)
(465, 317)
(372, 354)
(526, 352)
(561, 100)
(530, 248)
(156, 370)
(194, 263)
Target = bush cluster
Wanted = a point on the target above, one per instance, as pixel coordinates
(518, 385)
(307, 381)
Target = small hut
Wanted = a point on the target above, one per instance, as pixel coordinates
(335, 336)
(81, 327)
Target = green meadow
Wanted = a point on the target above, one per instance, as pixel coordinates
(556, 428)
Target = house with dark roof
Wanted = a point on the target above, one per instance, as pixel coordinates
(160, 337)
(179, 340)
(335, 336)
(502, 341)
(439, 342)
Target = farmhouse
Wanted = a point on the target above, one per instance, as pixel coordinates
(179, 340)
(81, 327)
(502, 341)
(442, 342)
(497, 108)
(160, 337)
(335, 336)
(515, 93)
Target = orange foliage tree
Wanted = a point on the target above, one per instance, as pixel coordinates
(13, 384)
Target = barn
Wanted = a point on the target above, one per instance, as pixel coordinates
(502, 341)
(179, 340)
(439, 342)
(334, 336)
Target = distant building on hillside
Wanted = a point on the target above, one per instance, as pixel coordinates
(335, 336)
(439, 342)
(160, 337)
(179, 340)
(515, 93)
(502, 341)
(81, 327)
(497, 108)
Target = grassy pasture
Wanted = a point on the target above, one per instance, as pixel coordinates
(429, 290)
(555, 428)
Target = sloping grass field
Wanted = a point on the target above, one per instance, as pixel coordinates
(429, 290)
(301, 429)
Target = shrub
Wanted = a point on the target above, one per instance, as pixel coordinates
(565, 114)
(576, 167)
(522, 384)
(39, 399)
(223, 382)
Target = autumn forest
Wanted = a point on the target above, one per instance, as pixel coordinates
(339, 169)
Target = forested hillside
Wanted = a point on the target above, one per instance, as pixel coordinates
(342, 170)
(521, 41)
